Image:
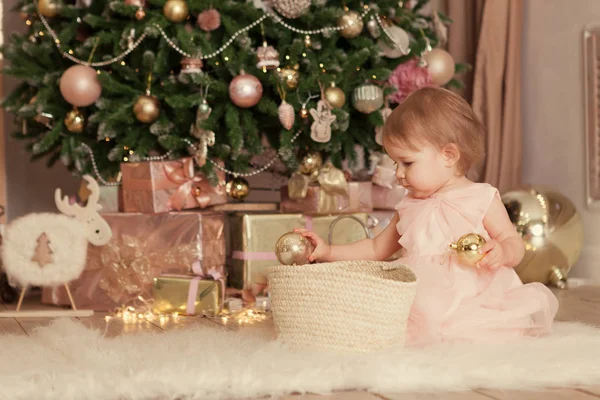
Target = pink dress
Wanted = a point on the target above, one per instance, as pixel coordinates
(456, 302)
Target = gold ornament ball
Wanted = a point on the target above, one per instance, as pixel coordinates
(335, 97)
(146, 109)
(367, 98)
(467, 248)
(290, 76)
(440, 65)
(48, 8)
(311, 163)
(353, 24)
(74, 121)
(176, 10)
(293, 249)
(551, 229)
(237, 188)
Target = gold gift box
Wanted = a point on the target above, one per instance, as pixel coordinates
(189, 295)
(320, 201)
(253, 238)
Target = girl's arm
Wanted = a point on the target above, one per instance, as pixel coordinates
(506, 247)
(382, 247)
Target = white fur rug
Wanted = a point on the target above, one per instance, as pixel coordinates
(65, 360)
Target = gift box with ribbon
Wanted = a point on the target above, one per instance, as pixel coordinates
(386, 192)
(189, 295)
(110, 197)
(162, 186)
(253, 238)
(144, 246)
(325, 192)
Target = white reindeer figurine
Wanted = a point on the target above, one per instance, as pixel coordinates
(48, 249)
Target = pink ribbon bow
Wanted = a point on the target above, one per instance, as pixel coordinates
(187, 182)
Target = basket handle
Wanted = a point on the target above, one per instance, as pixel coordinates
(368, 233)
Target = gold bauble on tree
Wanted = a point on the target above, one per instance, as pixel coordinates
(74, 121)
(245, 90)
(335, 96)
(367, 98)
(146, 109)
(440, 65)
(311, 163)
(467, 248)
(293, 249)
(352, 23)
(176, 10)
(48, 8)
(552, 231)
(237, 188)
(289, 75)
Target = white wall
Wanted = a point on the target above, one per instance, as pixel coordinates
(553, 109)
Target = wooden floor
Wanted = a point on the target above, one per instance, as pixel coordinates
(580, 304)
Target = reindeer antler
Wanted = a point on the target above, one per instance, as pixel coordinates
(94, 188)
(63, 204)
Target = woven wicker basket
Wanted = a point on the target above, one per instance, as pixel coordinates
(350, 306)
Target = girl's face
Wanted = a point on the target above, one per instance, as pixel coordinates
(424, 171)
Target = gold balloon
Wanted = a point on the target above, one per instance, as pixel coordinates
(176, 10)
(440, 65)
(289, 76)
(293, 249)
(237, 188)
(467, 248)
(552, 231)
(311, 163)
(146, 109)
(335, 96)
(353, 24)
(48, 8)
(75, 121)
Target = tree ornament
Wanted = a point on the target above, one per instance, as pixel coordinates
(304, 111)
(385, 113)
(74, 121)
(289, 75)
(206, 138)
(146, 108)
(209, 20)
(268, 57)
(245, 90)
(440, 65)
(307, 41)
(440, 29)
(79, 85)
(40, 117)
(293, 249)
(291, 8)
(373, 28)
(367, 98)
(48, 8)
(335, 96)
(352, 23)
(400, 48)
(467, 248)
(320, 130)
(140, 4)
(237, 188)
(311, 163)
(191, 65)
(176, 10)
(285, 110)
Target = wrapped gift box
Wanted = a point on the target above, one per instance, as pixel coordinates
(385, 198)
(144, 246)
(253, 238)
(319, 202)
(189, 295)
(162, 186)
(111, 197)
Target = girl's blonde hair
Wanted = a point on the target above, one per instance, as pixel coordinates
(439, 117)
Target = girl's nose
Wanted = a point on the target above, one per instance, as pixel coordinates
(400, 172)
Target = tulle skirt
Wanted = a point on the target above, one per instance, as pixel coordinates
(462, 303)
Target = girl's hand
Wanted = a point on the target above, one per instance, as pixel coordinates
(495, 255)
(322, 250)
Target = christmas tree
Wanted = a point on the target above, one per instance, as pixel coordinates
(105, 82)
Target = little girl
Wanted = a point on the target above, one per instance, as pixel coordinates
(434, 138)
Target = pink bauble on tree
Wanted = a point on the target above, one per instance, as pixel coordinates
(79, 85)
(406, 78)
(209, 20)
(245, 90)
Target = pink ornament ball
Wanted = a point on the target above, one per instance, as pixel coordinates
(79, 86)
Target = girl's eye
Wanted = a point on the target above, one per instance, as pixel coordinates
(407, 163)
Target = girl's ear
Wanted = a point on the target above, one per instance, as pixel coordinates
(451, 154)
